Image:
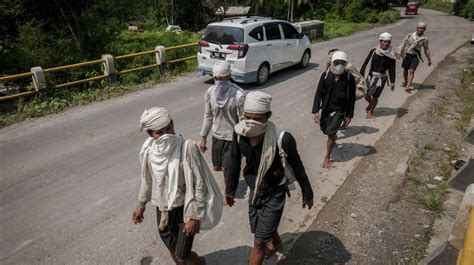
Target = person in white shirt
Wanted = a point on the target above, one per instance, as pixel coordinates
(223, 109)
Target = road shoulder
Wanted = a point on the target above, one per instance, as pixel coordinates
(375, 217)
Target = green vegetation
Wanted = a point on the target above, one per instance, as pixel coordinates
(439, 5)
(48, 34)
(465, 93)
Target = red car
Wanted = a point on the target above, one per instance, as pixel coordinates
(412, 7)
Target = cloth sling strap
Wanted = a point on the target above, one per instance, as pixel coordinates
(290, 178)
(214, 202)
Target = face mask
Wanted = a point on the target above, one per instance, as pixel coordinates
(222, 87)
(338, 69)
(250, 128)
(165, 144)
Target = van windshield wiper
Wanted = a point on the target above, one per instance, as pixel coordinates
(216, 42)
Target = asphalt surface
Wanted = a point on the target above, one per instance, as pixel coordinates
(69, 182)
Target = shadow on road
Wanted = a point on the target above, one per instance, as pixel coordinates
(418, 86)
(235, 256)
(386, 111)
(347, 151)
(355, 130)
(317, 247)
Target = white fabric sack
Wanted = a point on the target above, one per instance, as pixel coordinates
(214, 203)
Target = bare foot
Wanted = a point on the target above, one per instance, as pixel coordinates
(272, 247)
(408, 90)
(326, 162)
(370, 115)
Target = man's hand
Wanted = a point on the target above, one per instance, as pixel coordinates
(191, 227)
(317, 118)
(347, 121)
(137, 216)
(202, 146)
(308, 203)
(429, 62)
(392, 86)
(397, 55)
(229, 200)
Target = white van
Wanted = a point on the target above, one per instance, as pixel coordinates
(255, 47)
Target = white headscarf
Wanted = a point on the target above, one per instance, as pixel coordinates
(154, 118)
(221, 69)
(257, 102)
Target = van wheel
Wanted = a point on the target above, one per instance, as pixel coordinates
(263, 74)
(305, 59)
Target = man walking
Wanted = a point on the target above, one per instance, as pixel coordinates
(176, 180)
(382, 62)
(335, 98)
(410, 50)
(223, 109)
(258, 140)
(361, 87)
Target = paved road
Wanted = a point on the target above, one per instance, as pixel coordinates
(69, 182)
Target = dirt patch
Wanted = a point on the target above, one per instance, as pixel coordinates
(385, 210)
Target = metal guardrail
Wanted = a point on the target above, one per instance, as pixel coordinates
(466, 254)
(109, 69)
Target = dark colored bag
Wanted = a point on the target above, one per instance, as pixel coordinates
(184, 244)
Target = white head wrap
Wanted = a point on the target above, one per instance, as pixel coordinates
(257, 102)
(154, 118)
(339, 55)
(421, 25)
(221, 69)
(385, 36)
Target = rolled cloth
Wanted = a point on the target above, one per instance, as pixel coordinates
(257, 102)
(421, 25)
(221, 69)
(154, 118)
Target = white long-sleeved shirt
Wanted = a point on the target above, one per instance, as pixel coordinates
(222, 119)
(407, 45)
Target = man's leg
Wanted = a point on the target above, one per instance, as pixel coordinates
(216, 154)
(405, 76)
(330, 145)
(369, 100)
(273, 245)
(411, 75)
(257, 255)
(370, 113)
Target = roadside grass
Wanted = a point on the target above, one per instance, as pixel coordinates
(439, 5)
(465, 93)
(418, 245)
(334, 28)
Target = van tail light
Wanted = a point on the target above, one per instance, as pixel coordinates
(241, 48)
(202, 43)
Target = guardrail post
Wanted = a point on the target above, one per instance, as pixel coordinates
(161, 58)
(39, 80)
(109, 68)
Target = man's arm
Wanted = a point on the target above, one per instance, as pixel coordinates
(207, 122)
(318, 95)
(208, 117)
(401, 46)
(233, 168)
(240, 106)
(352, 96)
(290, 147)
(392, 70)
(426, 50)
(364, 65)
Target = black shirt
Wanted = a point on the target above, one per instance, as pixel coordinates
(274, 176)
(380, 64)
(332, 95)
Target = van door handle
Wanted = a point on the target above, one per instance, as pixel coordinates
(269, 45)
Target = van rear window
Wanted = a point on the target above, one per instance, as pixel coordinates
(223, 35)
